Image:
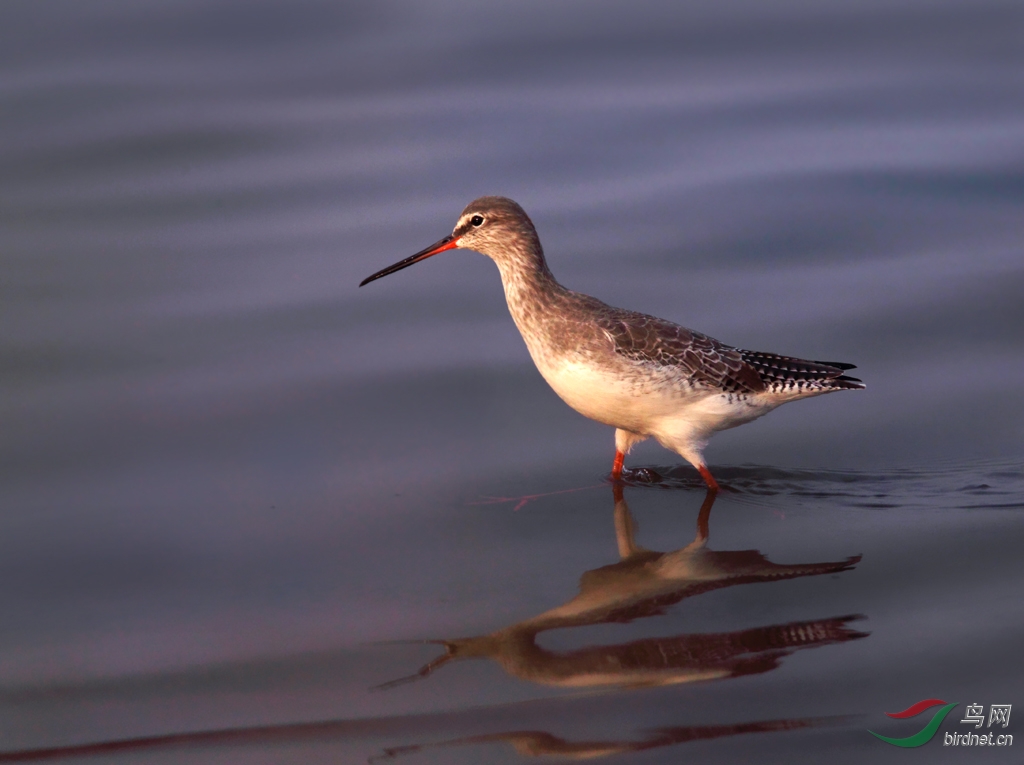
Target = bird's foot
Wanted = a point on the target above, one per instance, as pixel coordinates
(640, 475)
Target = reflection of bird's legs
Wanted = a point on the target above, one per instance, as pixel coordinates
(625, 526)
(704, 516)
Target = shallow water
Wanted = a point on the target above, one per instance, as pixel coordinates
(241, 499)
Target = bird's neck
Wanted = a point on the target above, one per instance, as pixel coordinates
(529, 284)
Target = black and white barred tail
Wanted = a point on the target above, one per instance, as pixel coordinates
(783, 374)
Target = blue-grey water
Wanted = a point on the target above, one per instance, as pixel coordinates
(243, 503)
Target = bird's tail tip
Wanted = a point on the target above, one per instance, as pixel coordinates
(845, 382)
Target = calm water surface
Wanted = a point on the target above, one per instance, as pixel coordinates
(251, 513)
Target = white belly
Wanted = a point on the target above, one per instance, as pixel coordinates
(670, 413)
(611, 399)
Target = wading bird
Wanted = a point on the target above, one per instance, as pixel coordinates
(644, 376)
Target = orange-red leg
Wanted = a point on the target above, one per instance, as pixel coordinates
(708, 478)
(617, 465)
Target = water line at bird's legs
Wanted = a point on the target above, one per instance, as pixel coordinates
(708, 478)
(617, 465)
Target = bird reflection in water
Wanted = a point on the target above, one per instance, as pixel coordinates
(530, 743)
(644, 583)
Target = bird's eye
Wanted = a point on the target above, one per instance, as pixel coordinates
(477, 220)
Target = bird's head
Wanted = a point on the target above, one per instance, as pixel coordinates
(495, 226)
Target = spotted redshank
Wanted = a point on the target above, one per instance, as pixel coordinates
(644, 376)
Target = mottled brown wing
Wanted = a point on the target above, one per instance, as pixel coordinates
(705, 361)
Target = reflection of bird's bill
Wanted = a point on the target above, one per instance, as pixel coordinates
(531, 743)
(423, 671)
(645, 583)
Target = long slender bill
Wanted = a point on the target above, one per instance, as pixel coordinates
(448, 243)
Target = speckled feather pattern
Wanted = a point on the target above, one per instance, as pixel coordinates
(556, 321)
